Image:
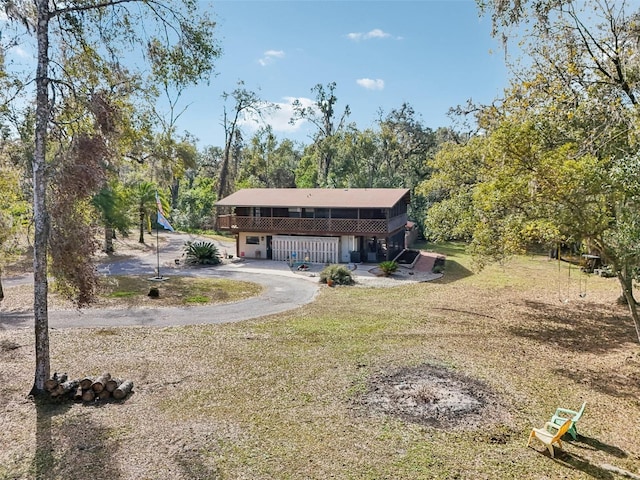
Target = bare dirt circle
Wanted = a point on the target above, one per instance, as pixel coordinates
(433, 396)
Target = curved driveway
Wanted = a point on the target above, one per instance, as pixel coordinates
(283, 290)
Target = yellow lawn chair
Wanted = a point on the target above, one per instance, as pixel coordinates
(550, 434)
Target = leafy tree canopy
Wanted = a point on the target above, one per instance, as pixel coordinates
(558, 157)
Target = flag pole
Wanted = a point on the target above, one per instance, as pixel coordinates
(158, 276)
(160, 220)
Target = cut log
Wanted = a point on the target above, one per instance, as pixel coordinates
(112, 384)
(77, 396)
(100, 382)
(88, 395)
(52, 383)
(123, 390)
(104, 395)
(86, 383)
(64, 388)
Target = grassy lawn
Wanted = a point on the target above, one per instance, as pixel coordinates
(133, 291)
(130, 291)
(282, 397)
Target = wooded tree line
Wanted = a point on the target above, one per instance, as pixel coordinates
(83, 146)
(189, 179)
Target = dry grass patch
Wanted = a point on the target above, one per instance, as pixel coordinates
(132, 291)
(285, 396)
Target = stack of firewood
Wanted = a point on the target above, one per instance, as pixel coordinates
(88, 389)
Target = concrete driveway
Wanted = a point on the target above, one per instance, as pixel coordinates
(283, 290)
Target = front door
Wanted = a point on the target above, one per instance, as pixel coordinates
(269, 250)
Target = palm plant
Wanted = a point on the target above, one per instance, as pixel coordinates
(201, 253)
(336, 275)
(111, 203)
(144, 195)
(388, 267)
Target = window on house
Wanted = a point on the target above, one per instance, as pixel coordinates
(295, 212)
(344, 213)
(322, 213)
(253, 240)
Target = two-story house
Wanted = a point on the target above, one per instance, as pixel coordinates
(317, 225)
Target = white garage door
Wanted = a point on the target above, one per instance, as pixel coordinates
(305, 249)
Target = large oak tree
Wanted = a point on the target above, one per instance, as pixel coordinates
(558, 158)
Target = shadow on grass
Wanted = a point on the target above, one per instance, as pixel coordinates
(196, 469)
(589, 443)
(619, 386)
(15, 319)
(577, 462)
(584, 327)
(453, 272)
(450, 249)
(453, 269)
(71, 447)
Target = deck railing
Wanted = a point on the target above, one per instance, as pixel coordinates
(310, 225)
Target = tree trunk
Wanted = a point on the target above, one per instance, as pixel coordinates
(175, 190)
(108, 239)
(627, 291)
(40, 284)
(222, 179)
(141, 238)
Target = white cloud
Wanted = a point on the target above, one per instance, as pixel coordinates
(20, 52)
(278, 118)
(375, 33)
(371, 84)
(270, 56)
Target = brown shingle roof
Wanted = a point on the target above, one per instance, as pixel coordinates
(316, 197)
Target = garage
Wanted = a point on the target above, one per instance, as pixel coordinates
(306, 249)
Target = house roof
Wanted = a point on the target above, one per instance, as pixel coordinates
(316, 197)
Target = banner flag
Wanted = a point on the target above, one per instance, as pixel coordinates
(164, 222)
(159, 203)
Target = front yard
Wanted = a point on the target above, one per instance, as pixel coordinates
(323, 391)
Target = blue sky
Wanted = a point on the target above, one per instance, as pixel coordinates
(433, 54)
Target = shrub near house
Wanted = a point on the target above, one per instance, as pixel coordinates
(201, 253)
(336, 275)
(388, 267)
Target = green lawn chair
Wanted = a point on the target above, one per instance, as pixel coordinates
(564, 414)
